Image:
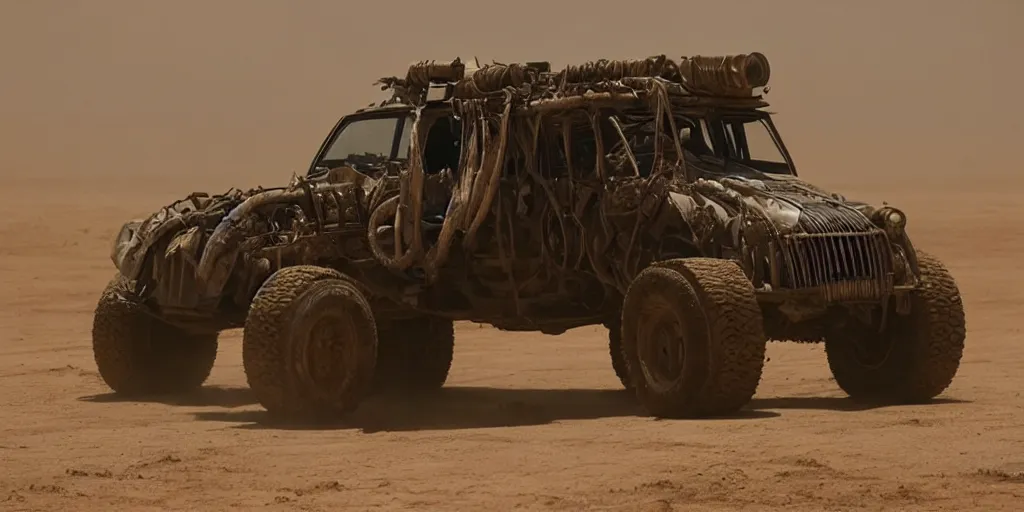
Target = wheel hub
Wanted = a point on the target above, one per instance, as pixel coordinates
(662, 351)
(324, 356)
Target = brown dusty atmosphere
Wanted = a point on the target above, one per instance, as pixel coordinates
(110, 109)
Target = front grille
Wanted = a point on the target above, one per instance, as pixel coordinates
(834, 248)
(839, 252)
(844, 266)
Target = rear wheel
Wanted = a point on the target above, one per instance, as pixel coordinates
(310, 344)
(916, 357)
(414, 354)
(138, 354)
(693, 338)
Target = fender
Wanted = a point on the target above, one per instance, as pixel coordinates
(132, 244)
(705, 220)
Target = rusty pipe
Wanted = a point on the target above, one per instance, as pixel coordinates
(494, 178)
(469, 170)
(400, 260)
(222, 249)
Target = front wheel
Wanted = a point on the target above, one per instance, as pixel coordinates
(693, 338)
(309, 345)
(138, 354)
(916, 357)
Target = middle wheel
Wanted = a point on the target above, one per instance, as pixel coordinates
(693, 338)
(310, 344)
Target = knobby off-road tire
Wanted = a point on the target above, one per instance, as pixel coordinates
(618, 356)
(309, 346)
(693, 338)
(918, 354)
(414, 354)
(138, 354)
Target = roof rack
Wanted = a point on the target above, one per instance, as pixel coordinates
(729, 76)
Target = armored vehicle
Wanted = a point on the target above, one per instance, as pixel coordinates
(653, 196)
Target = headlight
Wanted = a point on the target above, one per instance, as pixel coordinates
(890, 219)
(896, 219)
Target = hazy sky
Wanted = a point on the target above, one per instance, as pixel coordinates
(248, 88)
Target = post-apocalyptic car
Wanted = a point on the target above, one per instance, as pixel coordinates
(653, 196)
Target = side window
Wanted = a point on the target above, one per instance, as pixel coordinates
(366, 141)
(752, 142)
(695, 136)
(760, 144)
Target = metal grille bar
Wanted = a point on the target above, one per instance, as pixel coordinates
(845, 266)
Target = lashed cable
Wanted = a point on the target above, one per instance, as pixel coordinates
(412, 188)
(602, 80)
(493, 177)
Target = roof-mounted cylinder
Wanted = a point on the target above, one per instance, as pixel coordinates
(727, 74)
(425, 72)
(493, 78)
(602, 70)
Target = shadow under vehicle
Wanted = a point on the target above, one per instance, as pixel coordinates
(653, 196)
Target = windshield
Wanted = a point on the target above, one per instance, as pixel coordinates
(734, 142)
(367, 143)
(752, 141)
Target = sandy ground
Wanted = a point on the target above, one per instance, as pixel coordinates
(528, 422)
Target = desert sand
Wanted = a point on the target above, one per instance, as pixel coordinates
(112, 109)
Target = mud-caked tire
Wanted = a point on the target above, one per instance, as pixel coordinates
(414, 354)
(693, 338)
(309, 346)
(137, 354)
(916, 357)
(616, 353)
